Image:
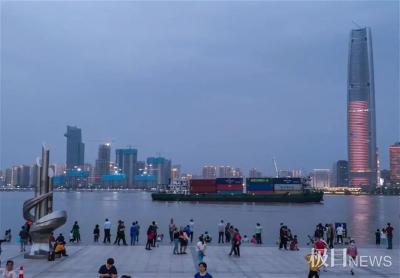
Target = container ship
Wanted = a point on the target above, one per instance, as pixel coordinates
(264, 190)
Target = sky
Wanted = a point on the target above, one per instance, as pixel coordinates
(222, 83)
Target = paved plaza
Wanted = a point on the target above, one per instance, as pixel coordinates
(84, 261)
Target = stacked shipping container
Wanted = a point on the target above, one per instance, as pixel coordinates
(229, 185)
(203, 186)
(260, 185)
(287, 184)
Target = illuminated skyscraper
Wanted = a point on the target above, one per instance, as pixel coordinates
(394, 156)
(75, 147)
(361, 126)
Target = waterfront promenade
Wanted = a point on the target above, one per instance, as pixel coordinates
(255, 262)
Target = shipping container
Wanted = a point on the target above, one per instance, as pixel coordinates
(259, 180)
(259, 192)
(221, 187)
(202, 182)
(203, 186)
(229, 181)
(288, 187)
(255, 187)
(286, 180)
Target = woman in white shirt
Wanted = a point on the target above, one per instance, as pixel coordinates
(201, 248)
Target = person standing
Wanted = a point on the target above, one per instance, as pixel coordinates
(378, 237)
(171, 229)
(202, 271)
(121, 232)
(155, 228)
(238, 242)
(227, 232)
(117, 238)
(191, 225)
(352, 253)
(339, 234)
(176, 242)
(330, 235)
(23, 238)
(150, 236)
(133, 233)
(383, 236)
(96, 233)
(137, 231)
(76, 235)
(258, 232)
(389, 234)
(107, 231)
(201, 248)
(221, 230)
(283, 238)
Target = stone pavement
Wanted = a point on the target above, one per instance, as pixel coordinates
(257, 262)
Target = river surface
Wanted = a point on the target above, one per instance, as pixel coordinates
(363, 214)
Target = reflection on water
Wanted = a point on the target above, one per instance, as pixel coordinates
(363, 214)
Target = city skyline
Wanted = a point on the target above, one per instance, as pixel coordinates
(242, 96)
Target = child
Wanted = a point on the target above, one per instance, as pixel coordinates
(352, 252)
(253, 239)
(96, 233)
(294, 244)
(71, 237)
(245, 239)
(377, 237)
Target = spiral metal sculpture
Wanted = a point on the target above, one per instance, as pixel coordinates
(44, 220)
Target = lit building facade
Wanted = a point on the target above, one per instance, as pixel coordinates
(361, 126)
(394, 157)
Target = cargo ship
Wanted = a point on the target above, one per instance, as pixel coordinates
(262, 190)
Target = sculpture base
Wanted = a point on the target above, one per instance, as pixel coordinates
(38, 251)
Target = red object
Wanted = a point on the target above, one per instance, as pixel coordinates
(229, 187)
(203, 186)
(21, 272)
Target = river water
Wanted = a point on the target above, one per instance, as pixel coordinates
(363, 214)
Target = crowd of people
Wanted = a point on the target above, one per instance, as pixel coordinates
(325, 237)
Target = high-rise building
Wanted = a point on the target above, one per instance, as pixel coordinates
(394, 157)
(103, 161)
(320, 178)
(361, 125)
(385, 177)
(34, 175)
(23, 175)
(8, 177)
(160, 167)
(75, 147)
(175, 172)
(225, 172)
(254, 173)
(340, 174)
(126, 160)
(209, 172)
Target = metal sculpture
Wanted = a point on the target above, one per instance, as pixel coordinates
(44, 220)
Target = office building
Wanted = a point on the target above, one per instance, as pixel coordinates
(75, 147)
(320, 178)
(126, 160)
(394, 157)
(103, 161)
(254, 173)
(209, 172)
(361, 124)
(160, 167)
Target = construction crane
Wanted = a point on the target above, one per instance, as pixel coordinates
(276, 167)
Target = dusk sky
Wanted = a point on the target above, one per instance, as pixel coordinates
(223, 83)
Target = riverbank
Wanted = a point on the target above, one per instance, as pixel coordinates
(255, 262)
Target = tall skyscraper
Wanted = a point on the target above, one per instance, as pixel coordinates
(103, 161)
(394, 157)
(75, 147)
(126, 160)
(361, 126)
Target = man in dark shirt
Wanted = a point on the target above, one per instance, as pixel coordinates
(389, 233)
(108, 270)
